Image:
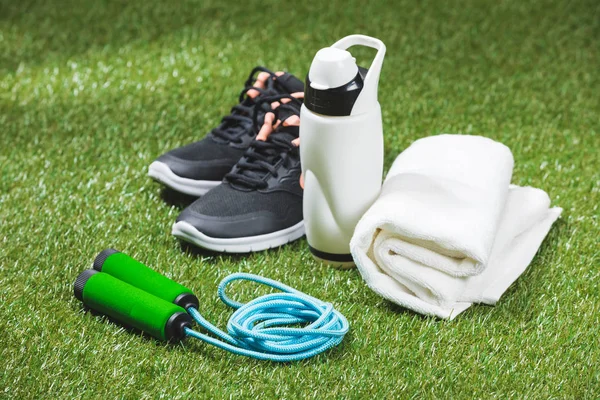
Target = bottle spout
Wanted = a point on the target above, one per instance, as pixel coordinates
(332, 68)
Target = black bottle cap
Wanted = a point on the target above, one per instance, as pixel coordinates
(81, 281)
(175, 327)
(336, 102)
(101, 258)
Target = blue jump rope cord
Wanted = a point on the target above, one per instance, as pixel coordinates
(255, 328)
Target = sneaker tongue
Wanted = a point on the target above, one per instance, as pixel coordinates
(290, 83)
(287, 81)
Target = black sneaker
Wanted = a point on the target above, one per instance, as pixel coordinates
(198, 167)
(259, 204)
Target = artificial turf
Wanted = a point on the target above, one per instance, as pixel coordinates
(92, 91)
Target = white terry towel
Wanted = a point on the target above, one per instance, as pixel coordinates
(448, 230)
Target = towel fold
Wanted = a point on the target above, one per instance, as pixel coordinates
(448, 230)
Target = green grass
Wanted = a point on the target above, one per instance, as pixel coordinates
(91, 93)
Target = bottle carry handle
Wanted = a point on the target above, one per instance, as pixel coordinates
(368, 96)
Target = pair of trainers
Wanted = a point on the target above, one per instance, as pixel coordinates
(246, 170)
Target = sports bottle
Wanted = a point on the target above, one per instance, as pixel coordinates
(341, 146)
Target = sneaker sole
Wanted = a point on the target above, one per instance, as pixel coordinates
(188, 233)
(161, 172)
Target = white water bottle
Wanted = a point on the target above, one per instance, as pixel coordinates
(341, 146)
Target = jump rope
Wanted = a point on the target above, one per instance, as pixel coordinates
(137, 296)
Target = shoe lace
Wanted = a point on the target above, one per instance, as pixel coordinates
(243, 115)
(262, 156)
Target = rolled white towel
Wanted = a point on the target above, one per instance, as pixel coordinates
(448, 229)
